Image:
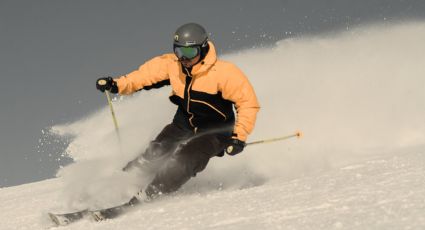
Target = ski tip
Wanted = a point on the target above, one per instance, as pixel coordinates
(54, 219)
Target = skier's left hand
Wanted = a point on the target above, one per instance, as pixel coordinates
(234, 146)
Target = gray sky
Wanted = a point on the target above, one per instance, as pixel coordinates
(51, 53)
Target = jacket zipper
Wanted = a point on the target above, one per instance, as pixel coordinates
(188, 100)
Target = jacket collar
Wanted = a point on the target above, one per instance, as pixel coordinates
(207, 63)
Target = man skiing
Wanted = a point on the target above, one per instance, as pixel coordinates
(206, 90)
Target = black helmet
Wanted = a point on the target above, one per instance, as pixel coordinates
(190, 34)
(190, 40)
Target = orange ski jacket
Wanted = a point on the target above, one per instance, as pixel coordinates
(205, 94)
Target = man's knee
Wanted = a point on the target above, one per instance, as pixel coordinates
(151, 157)
(155, 150)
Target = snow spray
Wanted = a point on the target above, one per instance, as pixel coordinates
(355, 94)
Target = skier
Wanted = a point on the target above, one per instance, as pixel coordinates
(206, 90)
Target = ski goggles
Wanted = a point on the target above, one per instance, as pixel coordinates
(186, 52)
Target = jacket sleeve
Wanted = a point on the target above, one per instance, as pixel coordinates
(152, 74)
(239, 90)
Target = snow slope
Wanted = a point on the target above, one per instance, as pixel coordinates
(359, 97)
(384, 193)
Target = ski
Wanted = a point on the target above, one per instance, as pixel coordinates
(110, 213)
(68, 218)
(97, 215)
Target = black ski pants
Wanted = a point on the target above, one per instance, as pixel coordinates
(177, 154)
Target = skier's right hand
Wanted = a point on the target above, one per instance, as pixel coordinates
(234, 146)
(107, 83)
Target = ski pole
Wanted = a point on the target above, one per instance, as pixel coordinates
(103, 82)
(298, 134)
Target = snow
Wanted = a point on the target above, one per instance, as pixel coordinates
(357, 96)
(385, 193)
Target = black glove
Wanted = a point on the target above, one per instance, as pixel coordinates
(234, 146)
(106, 83)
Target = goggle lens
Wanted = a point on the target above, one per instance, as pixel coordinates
(186, 52)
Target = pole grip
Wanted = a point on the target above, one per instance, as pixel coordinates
(102, 82)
